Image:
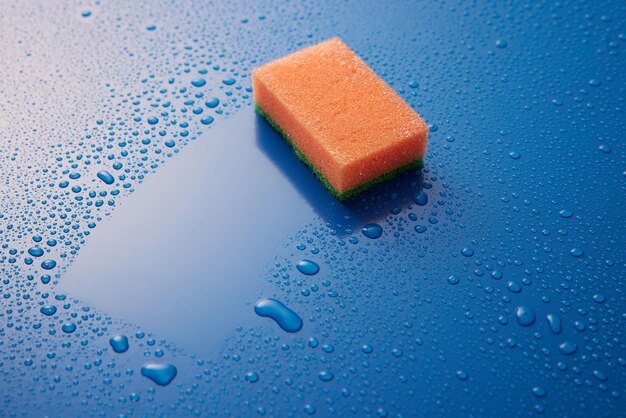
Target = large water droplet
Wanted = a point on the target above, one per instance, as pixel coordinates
(453, 279)
(554, 321)
(69, 328)
(308, 267)
(106, 177)
(568, 348)
(35, 251)
(372, 231)
(160, 373)
(198, 82)
(326, 376)
(119, 343)
(287, 319)
(420, 198)
(48, 310)
(525, 316)
(48, 264)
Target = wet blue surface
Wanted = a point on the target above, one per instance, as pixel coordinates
(201, 252)
(145, 210)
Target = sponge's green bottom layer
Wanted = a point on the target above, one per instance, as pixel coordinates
(349, 193)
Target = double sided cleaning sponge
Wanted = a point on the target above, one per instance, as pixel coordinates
(342, 120)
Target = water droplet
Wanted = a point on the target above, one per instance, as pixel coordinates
(600, 376)
(160, 373)
(207, 120)
(525, 316)
(501, 43)
(420, 198)
(287, 319)
(35, 251)
(515, 155)
(554, 321)
(48, 310)
(453, 279)
(599, 298)
(594, 82)
(252, 377)
(119, 343)
(48, 264)
(372, 231)
(514, 287)
(212, 102)
(577, 252)
(308, 267)
(326, 376)
(69, 328)
(106, 177)
(467, 251)
(566, 213)
(153, 120)
(539, 392)
(461, 374)
(568, 348)
(198, 82)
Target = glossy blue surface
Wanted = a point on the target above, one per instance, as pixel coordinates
(145, 209)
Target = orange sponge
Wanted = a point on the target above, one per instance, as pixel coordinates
(342, 120)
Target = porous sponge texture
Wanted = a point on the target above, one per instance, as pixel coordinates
(345, 120)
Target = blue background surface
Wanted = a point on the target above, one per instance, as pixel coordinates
(210, 211)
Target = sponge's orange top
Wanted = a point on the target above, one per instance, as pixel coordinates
(345, 119)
